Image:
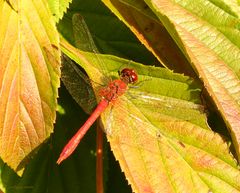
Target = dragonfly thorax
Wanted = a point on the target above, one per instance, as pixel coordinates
(114, 89)
(118, 87)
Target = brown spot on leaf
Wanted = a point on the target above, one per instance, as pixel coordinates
(182, 144)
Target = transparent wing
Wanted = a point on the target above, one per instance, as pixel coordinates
(84, 41)
(151, 111)
(143, 108)
(78, 84)
(82, 36)
(179, 109)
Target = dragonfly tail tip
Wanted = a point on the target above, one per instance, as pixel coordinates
(60, 159)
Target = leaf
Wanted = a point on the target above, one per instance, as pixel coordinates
(160, 137)
(29, 79)
(42, 174)
(58, 8)
(208, 36)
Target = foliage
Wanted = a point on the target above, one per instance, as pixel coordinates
(171, 133)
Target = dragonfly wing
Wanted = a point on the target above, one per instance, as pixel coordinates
(179, 109)
(82, 35)
(84, 41)
(78, 85)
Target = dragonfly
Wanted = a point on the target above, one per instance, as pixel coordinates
(111, 93)
(145, 125)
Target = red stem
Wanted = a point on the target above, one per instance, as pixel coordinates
(99, 161)
(75, 140)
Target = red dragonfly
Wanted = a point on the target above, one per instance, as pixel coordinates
(109, 94)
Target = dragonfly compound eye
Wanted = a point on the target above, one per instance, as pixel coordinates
(128, 75)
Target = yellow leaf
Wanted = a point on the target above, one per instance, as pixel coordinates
(29, 78)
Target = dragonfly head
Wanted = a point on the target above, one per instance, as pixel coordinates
(129, 76)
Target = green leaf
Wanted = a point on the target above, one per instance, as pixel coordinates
(58, 8)
(29, 79)
(192, 157)
(207, 33)
(159, 126)
(208, 36)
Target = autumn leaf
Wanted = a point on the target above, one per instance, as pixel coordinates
(29, 78)
(159, 129)
(207, 44)
(161, 138)
(207, 33)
